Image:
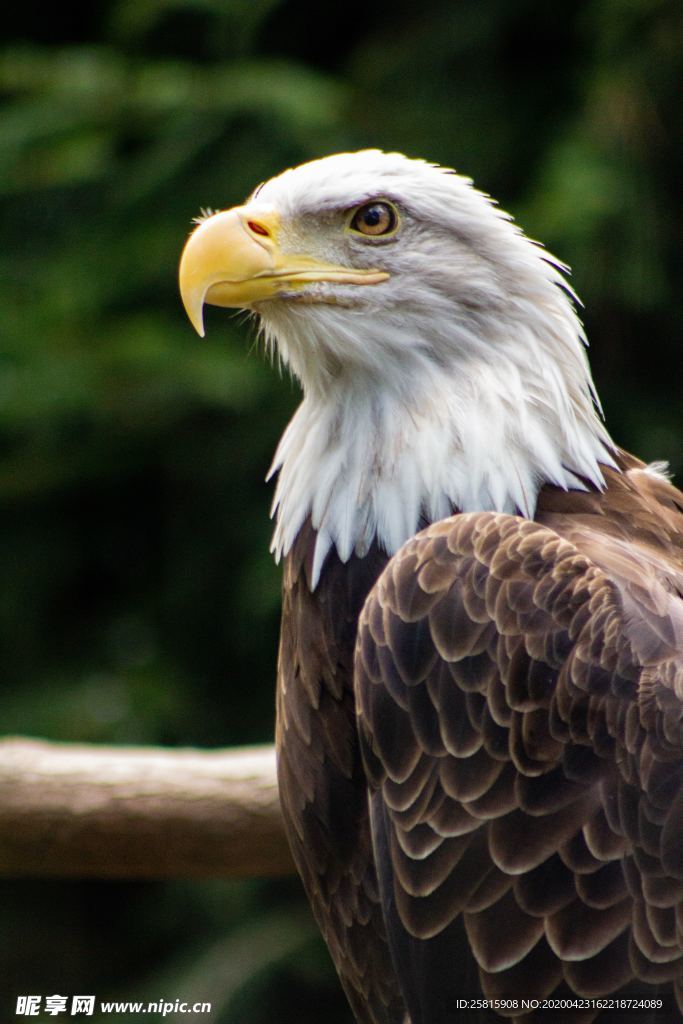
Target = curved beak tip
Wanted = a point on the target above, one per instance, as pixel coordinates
(195, 315)
(192, 293)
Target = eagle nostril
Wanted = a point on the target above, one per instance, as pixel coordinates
(258, 228)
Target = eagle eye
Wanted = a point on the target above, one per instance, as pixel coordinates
(375, 219)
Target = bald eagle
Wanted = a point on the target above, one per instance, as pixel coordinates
(480, 681)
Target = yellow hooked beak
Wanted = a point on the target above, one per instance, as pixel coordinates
(233, 259)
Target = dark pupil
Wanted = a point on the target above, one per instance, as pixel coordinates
(373, 215)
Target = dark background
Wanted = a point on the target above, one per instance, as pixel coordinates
(138, 601)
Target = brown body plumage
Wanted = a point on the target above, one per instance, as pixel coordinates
(519, 688)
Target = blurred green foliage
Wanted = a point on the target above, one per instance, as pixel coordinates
(138, 602)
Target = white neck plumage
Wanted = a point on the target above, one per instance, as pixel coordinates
(394, 431)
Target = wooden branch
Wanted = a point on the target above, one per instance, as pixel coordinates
(138, 812)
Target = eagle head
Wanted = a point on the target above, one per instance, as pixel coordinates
(442, 362)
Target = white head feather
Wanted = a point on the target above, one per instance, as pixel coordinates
(459, 383)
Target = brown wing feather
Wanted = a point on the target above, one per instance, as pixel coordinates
(520, 694)
(322, 787)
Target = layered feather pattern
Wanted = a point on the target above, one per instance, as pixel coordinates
(519, 689)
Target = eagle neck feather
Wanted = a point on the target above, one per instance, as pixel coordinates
(374, 452)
